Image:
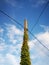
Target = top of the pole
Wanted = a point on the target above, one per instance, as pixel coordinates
(25, 24)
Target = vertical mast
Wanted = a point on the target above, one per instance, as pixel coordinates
(25, 55)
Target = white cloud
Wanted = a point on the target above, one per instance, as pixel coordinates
(14, 34)
(9, 59)
(12, 59)
(14, 29)
(44, 38)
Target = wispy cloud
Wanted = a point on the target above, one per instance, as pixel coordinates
(38, 3)
(11, 2)
(1, 30)
(46, 28)
(2, 44)
(14, 3)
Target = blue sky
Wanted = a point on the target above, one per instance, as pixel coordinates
(11, 34)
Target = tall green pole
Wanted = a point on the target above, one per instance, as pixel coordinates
(25, 55)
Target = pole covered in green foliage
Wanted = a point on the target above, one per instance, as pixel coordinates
(25, 55)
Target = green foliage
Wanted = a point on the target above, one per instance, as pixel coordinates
(25, 56)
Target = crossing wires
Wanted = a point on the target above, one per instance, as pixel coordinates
(23, 27)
